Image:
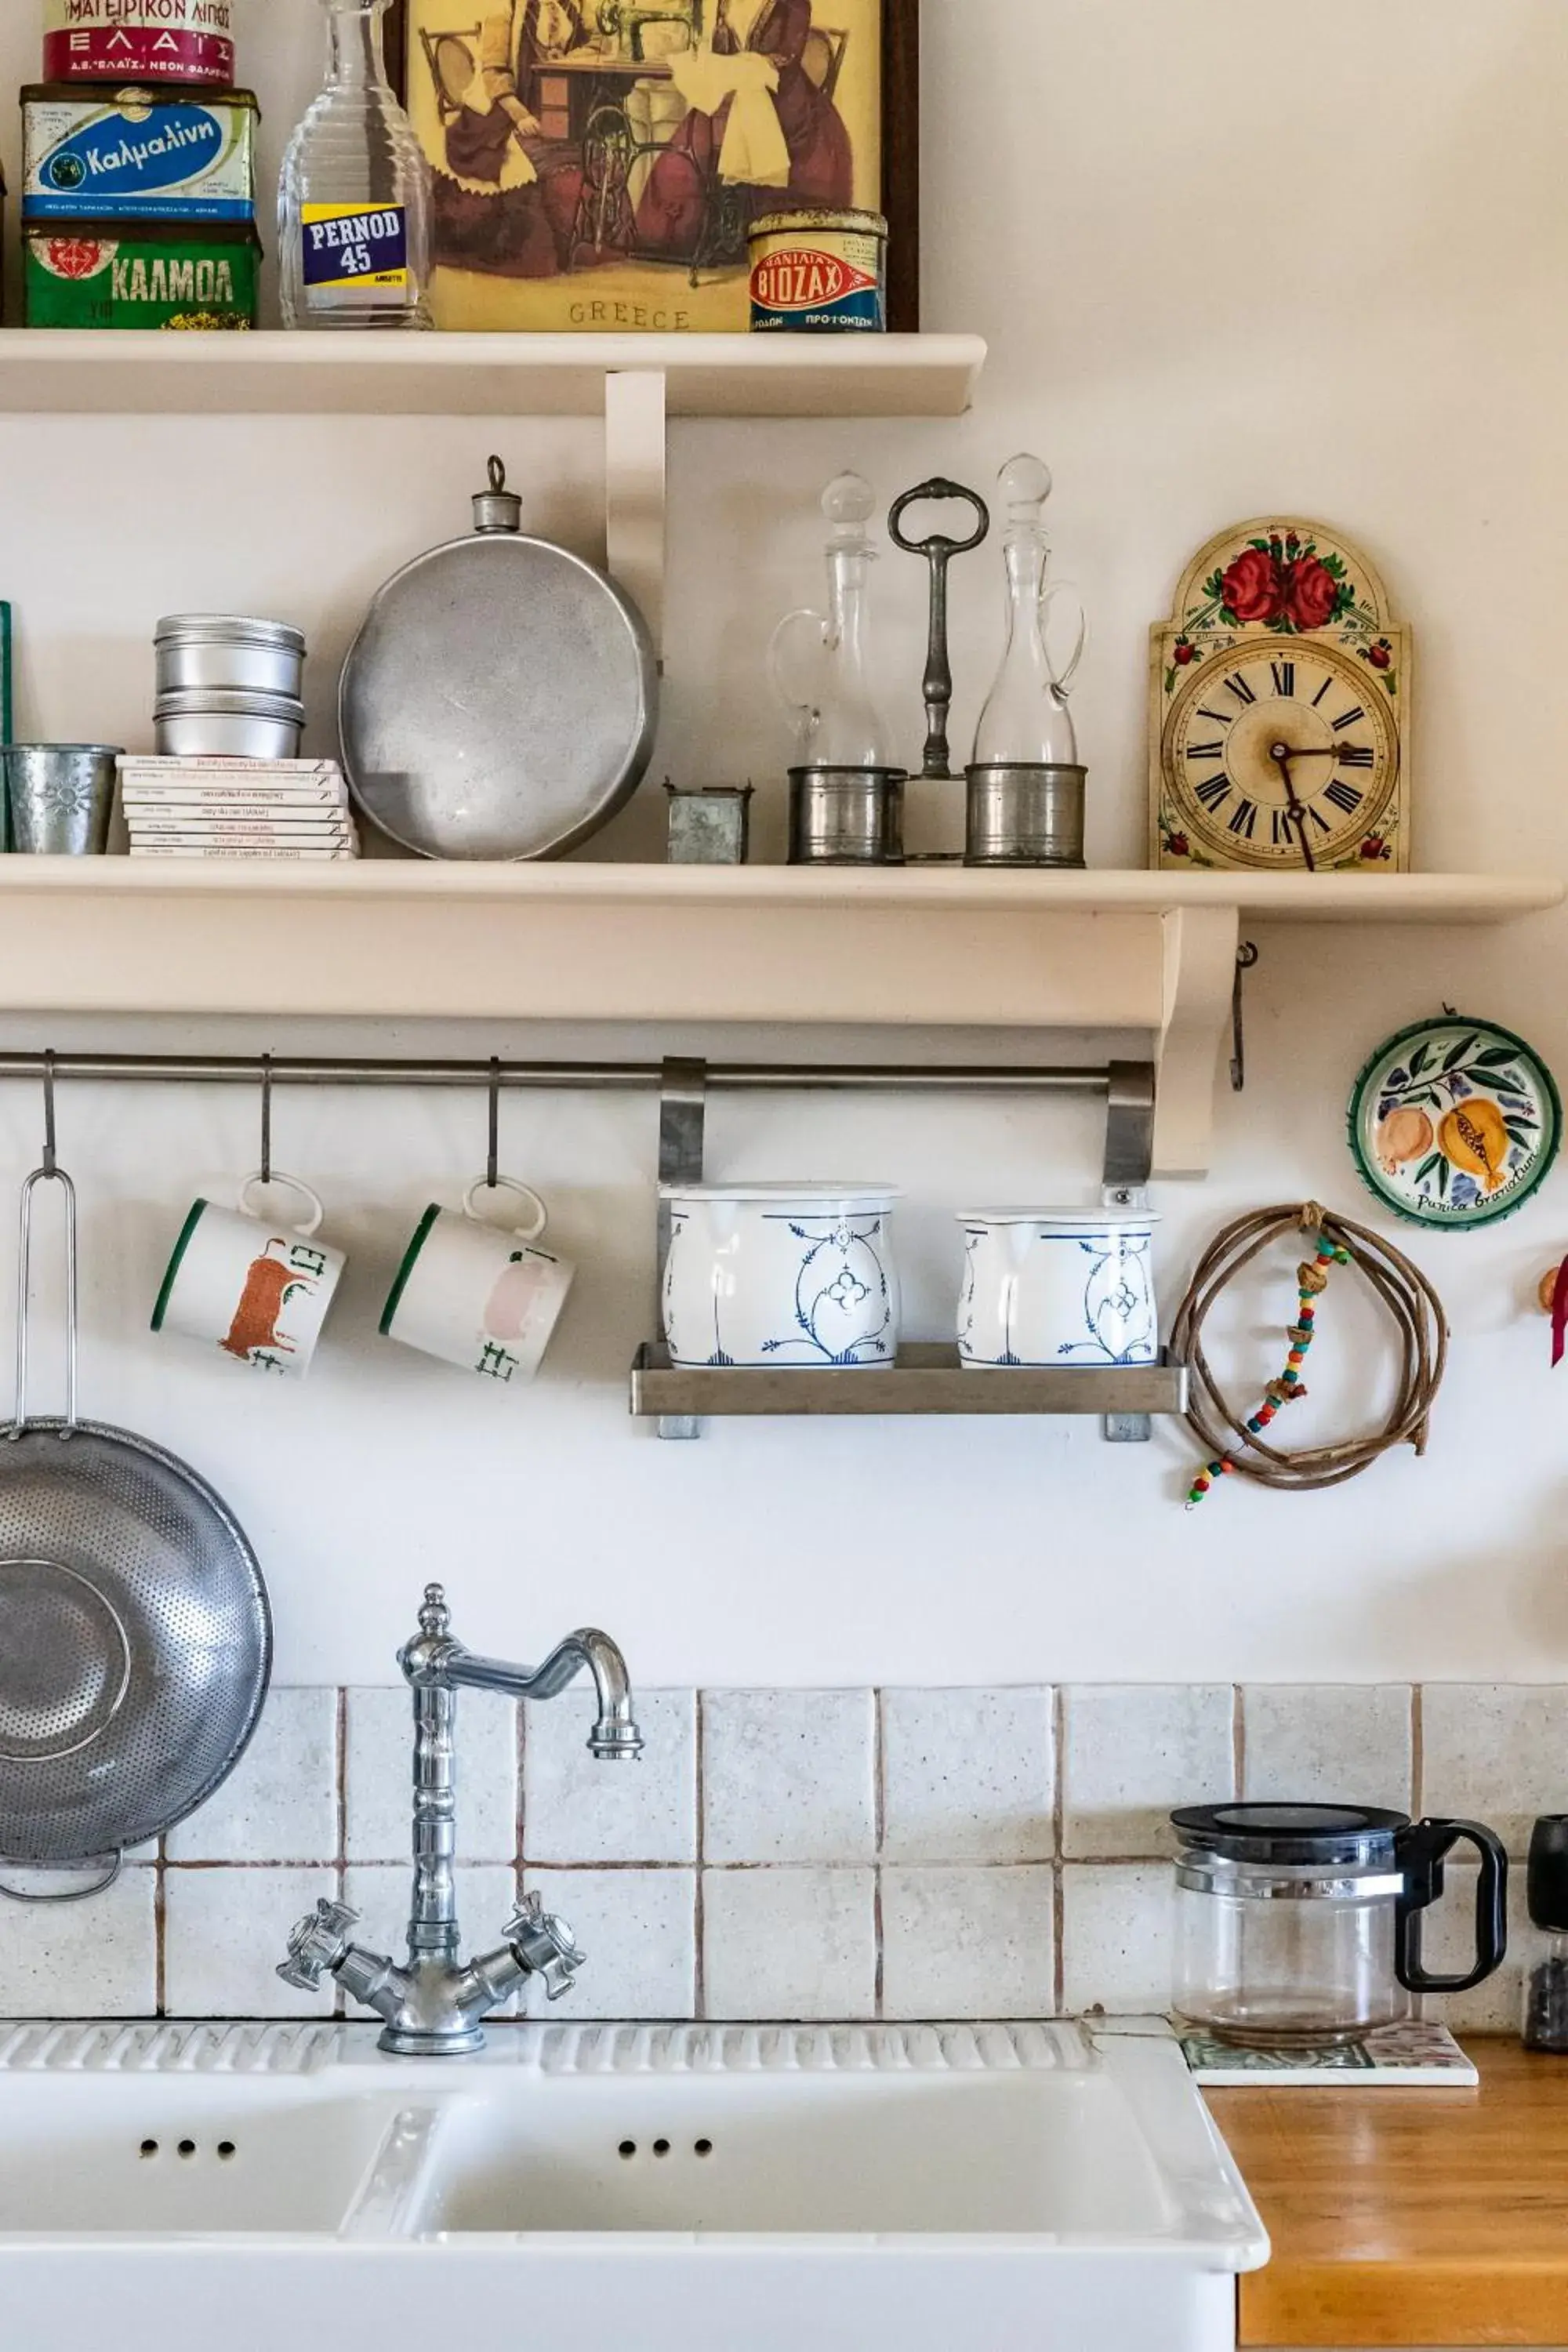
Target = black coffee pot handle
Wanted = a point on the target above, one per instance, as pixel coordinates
(1421, 1849)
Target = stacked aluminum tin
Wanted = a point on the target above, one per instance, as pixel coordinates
(228, 688)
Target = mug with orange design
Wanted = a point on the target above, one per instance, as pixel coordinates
(476, 1295)
(257, 1288)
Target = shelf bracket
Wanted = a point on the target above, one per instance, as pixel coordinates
(1128, 1164)
(635, 491)
(1200, 953)
(683, 1122)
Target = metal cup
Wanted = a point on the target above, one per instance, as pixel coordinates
(847, 817)
(1025, 815)
(59, 798)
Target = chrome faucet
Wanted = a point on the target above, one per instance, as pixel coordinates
(432, 2006)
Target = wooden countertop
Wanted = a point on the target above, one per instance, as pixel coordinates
(1430, 2217)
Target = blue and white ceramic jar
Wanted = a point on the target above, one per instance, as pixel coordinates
(764, 1276)
(1057, 1286)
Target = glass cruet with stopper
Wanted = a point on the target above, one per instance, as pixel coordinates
(355, 202)
(820, 663)
(1027, 722)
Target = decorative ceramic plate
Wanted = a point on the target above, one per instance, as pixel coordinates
(1454, 1122)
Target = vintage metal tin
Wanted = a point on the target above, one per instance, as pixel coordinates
(140, 40)
(213, 724)
(709, 827)
(819, 273)
(124, 274)
(198, 651)
(138, 154)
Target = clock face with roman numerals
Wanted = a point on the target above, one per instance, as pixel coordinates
(1280, 754)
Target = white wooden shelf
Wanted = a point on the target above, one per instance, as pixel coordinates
(636, 382)
(84, 373)
(935, 947)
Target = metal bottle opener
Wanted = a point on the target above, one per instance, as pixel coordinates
(939, 551)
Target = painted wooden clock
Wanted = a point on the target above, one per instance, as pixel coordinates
(1279, 710)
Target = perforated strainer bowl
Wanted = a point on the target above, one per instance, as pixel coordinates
(135, 1638)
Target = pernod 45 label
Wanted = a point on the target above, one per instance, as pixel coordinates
(354, 245)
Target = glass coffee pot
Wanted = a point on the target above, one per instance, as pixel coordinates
(1302, 1924)
(1026, 783)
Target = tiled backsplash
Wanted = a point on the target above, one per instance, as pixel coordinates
(783, 1853)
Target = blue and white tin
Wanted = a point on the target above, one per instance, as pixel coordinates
(763, 1277)
(1049, 1287)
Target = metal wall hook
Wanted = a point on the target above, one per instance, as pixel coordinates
(266, 1118)
(50, 1162)
(1246, 958)
(492, 1162)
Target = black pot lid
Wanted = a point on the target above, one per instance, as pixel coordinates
(1277, 1833)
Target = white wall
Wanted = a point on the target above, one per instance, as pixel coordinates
(1228, 258)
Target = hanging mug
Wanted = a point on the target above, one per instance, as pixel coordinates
(478, 1296)
(259, 1289)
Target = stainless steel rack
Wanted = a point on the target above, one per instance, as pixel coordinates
(925, 1379)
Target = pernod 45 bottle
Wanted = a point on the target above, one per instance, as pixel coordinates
(353, 204)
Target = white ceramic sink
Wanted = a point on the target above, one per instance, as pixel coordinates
(686, 2189)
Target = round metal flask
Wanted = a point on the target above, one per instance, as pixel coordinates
(500, 697)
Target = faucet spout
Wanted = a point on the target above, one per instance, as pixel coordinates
(437, 1662)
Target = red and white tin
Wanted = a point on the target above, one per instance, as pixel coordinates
(140, 40)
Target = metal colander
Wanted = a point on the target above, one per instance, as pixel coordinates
(136, 1639)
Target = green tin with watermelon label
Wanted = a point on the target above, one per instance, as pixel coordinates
(113, 274)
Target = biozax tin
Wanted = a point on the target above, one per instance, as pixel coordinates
(138, 154)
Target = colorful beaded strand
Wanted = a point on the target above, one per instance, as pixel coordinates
(1314, 1280)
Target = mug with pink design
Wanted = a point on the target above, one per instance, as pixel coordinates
(476, 1294)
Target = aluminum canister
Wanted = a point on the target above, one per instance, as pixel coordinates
(200, 650)
(213, 724)
(140, 40)
(819, 273)
(1025, 815)
(847, 817)
(59, 798)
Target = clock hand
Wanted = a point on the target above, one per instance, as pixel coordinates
(1281, 756)
(1282, 752)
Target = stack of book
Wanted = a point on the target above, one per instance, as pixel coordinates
(236, 808)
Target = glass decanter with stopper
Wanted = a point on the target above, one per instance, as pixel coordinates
(846, 788)
(353, 202)
(1026, 783)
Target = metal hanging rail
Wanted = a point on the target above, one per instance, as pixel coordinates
(783, 1077)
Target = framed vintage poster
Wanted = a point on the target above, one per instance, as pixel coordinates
(598, 163)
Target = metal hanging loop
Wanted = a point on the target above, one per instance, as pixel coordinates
(266, 1173)
(51, 1162)
(939, 550)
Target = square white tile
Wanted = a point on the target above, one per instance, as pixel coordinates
(487, 1894)
(1117, 1940)
(787, 1775)
(639, 1928)
(280, 1803)
(1493, 1752)
(968, 1776)
(968, 1943)
(1335, 1743)
(1134, 1751)
(225, 1932)
(83, 1959)
(378, 1766)
(578, 1808)
(789, 1944)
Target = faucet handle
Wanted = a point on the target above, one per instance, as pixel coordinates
(544, 1945)
(317, 1944)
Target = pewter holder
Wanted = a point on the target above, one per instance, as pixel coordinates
(1024, 815)
(847, 817)
(939, 551)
